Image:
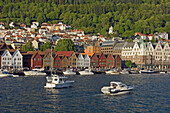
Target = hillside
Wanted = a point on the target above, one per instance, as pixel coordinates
(92, 16)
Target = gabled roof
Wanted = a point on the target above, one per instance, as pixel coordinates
(119, 46)
(89, 54)
(129, 44)
(66, 53)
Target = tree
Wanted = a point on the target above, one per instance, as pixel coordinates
(28, 46)
(27, 20)
(45, 46)
(65, 45)
(128, 63)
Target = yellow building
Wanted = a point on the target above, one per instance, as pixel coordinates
(93, 48)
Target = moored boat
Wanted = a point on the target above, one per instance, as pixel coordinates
(69, 72)
(110, 71)
(147, 71)
(86, 72)
(124, 72)
(34, 72)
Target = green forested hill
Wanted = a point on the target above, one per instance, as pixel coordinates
(92, 16)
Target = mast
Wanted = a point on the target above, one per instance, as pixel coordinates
(51, 59)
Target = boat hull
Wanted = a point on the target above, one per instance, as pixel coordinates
(108, 90)
(115, 73)
(60, 85)
(66, 73)
(32, 73)
(4, 75)
(147, 72)
(81, 73)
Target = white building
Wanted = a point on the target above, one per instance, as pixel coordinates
(17, 60)
(111, 30)
(86, 61)
(80, 61)
(6, 59)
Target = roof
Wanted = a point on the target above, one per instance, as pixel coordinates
(129, 44)
(89, 54)
(119, 46)
(66, 53)
(108, 43)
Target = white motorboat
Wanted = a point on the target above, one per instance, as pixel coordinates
(110, 71)
(69, 72)
(124, 72)
(15, 75)
(86, 72)
(5, 74)
(116, 88)
(163, 72)
(35, 72)
(56, 81)
(133, 72)
(147, 71)
(115, 73)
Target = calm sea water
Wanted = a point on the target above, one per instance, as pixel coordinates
(27, 94)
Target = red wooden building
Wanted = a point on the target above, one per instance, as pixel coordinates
(118, 61)
(57, 62)
(94, 63)
(102, 61)
(110, 62)
(36, 61)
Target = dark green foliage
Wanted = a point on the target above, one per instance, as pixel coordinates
(128, 63)
(28, 46)
(45, 46)
(92, 16)
(65, 45)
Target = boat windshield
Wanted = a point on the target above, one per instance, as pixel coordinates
(113, 85)
(122, 85)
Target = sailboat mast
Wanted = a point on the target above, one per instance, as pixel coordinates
(51, 58)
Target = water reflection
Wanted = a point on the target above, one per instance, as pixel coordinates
(27, 94)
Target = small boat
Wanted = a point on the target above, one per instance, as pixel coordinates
(110, 71)
(5, 74)
(69, 72)
(86, 72)
(56, 81)
(133, 72)
(163, 72)
(115, 73)
(15, 75)
(116, 88)
(124, 72)
(35, 72)
(147, 71)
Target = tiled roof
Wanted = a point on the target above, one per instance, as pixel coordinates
(66, 53)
